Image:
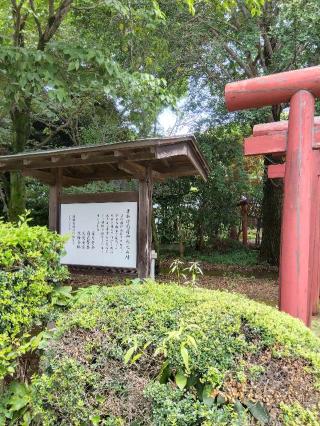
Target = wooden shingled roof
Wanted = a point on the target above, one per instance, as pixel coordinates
(165, 157)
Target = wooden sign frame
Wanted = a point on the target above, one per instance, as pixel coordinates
(144, 199)
(105, 197)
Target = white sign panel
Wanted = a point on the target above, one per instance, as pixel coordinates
(101, 234)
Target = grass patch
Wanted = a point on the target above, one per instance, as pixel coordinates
(242, 257)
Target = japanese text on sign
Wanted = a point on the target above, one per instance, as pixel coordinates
(101, 234)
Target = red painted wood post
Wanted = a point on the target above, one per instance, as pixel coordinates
(315, 249)
(295, 274)
(276, 127)
(276, 171)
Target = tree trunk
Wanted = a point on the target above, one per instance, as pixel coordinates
(233, 233)
(271, 209)
(271, 218)
(4, 191)
(199, 246)
(21, 132)
(181, 248)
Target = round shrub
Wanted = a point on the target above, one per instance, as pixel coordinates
(156, 354)
(29, 270)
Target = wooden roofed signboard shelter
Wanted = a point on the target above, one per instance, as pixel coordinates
(120, 231)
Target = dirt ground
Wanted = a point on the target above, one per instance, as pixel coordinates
(258, 283)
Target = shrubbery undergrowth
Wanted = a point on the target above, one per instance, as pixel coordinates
(155, 354)
(145, 353)
(30, 269)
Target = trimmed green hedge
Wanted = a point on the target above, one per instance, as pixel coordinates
(155, 354)
(29, 271)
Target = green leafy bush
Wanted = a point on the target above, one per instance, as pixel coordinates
(295, 415)
(155, 354)
(30, 269)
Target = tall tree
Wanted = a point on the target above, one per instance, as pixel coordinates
(44, 64)
(59, 57)
(213, 49)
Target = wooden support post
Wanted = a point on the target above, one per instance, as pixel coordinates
(295, 277)
(54, 201)
(244, 215)
(275, 144)
(145, 225)
(315, 229)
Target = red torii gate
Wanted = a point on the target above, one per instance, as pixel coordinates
(271, 138)
(299, 140)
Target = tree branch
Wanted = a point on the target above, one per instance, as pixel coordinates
(244, 10)
(54, 133)
(232, 54)
(267, 43)
(54, 22)
(261, 57)
(18, 22)
(51, 8)
(36, 20)
(67, 124)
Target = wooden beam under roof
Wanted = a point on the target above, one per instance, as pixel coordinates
(177, 156)
(83, 179)
(132, 168)
(44, 177)
(169, 151)
(197, 166)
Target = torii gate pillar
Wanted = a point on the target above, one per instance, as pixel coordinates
(298, 264)
(295, 267)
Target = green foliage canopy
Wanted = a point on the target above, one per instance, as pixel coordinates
(46, 69)
(196, 212)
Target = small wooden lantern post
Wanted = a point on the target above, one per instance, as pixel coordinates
(244, 219)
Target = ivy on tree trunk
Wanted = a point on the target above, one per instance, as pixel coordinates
(17, 202)
(21, 131)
